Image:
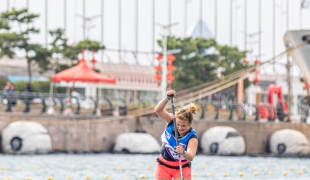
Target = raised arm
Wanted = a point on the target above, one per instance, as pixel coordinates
(160, 108)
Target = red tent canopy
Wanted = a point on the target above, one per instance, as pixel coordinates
(82, 73)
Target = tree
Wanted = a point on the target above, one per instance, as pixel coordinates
(72, 52)
(230, 59)
(58, 47)
(34, 53)
(200, 59)
(8, 40)
(193, 67)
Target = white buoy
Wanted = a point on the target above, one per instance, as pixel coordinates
(25, 138)
(136, 143)
(222, 140)
(289, 141)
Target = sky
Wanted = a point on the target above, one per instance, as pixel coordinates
(145, 43)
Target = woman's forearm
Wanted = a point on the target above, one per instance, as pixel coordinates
(188, 155)
(161, 105)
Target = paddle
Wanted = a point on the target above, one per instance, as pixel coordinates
(176, 136)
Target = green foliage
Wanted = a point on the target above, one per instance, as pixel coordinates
(4, 24)
(60, 41)
(35, 53)
(41, 56)
(9, 41)
(57, 89)
(97, 70)
(193, 67)
(3, 83)
(60, 47)
(20, 16)
(62, 67)
(19, 85)
(90, 45)
(40, 86)
(196, 65)
(37, 86)
(71, 52)
(230, 58)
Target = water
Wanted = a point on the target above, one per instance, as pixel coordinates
(133, 167)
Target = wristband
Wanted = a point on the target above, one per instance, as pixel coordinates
(167, 98)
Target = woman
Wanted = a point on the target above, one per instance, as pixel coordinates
(9, 87)
(167, 166)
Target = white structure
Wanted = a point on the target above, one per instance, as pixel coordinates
(136, 143)
(132, 81)
(26, 138)
(17, 68)
(194, 30)
(289, 141)
(258, 93)
(222, 140)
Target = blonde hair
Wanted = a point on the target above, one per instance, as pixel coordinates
(187, 112)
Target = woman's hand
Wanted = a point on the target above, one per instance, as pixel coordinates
(180, 150)
(190, 153)
(160, 108)
(170, 93)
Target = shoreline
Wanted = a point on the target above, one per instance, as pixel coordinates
(294, 156)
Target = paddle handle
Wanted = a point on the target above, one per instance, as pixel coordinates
(176, 135)
(174, 121)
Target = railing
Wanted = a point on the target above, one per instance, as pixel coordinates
(15, 100)
(27, 102)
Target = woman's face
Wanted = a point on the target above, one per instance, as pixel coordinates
(183, 126)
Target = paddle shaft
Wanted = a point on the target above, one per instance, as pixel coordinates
(176, 136)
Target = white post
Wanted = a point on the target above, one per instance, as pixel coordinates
(231, 23)
(300, 14)
(260, 29)
(51, 108)
(84, 20)
(51, 89)
(245, 25)
(185, 17)
(164, 71)
(46, 23)
(274, 36)
(166, 30)
(215, 19)
(65, 17)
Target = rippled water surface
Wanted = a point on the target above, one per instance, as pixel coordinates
(131, 167)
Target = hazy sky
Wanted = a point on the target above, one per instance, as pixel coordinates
(145, 38)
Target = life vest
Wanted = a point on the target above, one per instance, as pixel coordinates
(169, 141)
